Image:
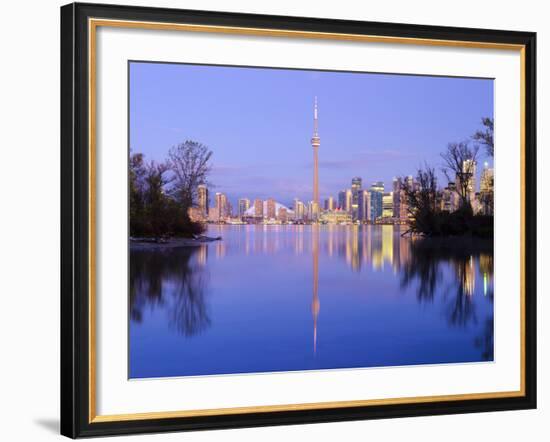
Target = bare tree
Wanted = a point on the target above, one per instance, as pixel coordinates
(460, 162)
(189, 161)
(156, 180)
(156, 213)
(137, 172)
(422, 195)
(486, 136)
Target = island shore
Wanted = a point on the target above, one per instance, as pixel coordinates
(149, 243)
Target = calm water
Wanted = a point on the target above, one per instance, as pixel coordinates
(280, 298)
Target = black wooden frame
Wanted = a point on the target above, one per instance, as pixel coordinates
(75, 220)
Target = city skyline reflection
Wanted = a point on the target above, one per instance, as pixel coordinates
(198, 293)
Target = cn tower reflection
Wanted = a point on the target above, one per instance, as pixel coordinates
(315, 304)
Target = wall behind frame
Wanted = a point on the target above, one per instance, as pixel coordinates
(29, 219)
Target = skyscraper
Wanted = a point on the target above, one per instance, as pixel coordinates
(244, 205)
(356, 183)
(330, 203)
(348, 201)
(315, 143)
(299, 210)
(271, 209)
(311, 208)
(397, 194)
(356, 200)
(221, 206)
(376, 196)
(486, 183)
(387, 205)
(342, 200)
(282, 215)
(202, 197)
(468, 174)
(486, 190)
(258, 208)
(400, 198)
(365, 206)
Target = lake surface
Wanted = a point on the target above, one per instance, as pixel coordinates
(283, 298)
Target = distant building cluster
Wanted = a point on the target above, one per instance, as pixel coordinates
(482, 200)
(354, 205)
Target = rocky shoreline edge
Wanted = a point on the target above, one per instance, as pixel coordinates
(170, 243)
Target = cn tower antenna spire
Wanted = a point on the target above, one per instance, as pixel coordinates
(315, 143)
(315, 119)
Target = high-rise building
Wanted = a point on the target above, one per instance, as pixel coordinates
(365, 206)
(397, 193)
(310, 210)
(411, 183)
(486, 182)
(469, 166)
(315, 143)
(244, 205)
(282, 215)
(387, 205)
(330, 203)
(271, 209)
(356, 200)
(347, 206)
(486, 190)
(202, 200)
(258, 208)
(469, 174)
(221, 206)
(342, 200)
(299, 210)
(400, 199)
(376, 197)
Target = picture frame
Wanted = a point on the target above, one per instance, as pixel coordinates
(79, 243)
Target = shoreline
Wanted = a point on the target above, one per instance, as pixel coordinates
(149, 244)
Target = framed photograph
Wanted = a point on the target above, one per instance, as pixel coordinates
(275, 220)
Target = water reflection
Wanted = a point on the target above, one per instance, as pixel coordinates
(315, 303)
(427, 261)
(172, 281)
(255, 281)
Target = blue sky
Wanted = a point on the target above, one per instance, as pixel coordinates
(258, 122)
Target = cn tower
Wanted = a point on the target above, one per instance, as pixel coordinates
(315, 143)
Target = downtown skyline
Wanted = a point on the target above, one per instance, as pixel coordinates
(262, 144)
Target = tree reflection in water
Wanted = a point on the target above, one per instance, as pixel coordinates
(456, 273)
(172, 279)
(427, 263)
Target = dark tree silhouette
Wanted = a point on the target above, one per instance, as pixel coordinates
(158, 205)
(421, 196)
(190, 163)
(485, 136)
(459, 163)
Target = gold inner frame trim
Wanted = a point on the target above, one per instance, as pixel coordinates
(93, 24)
